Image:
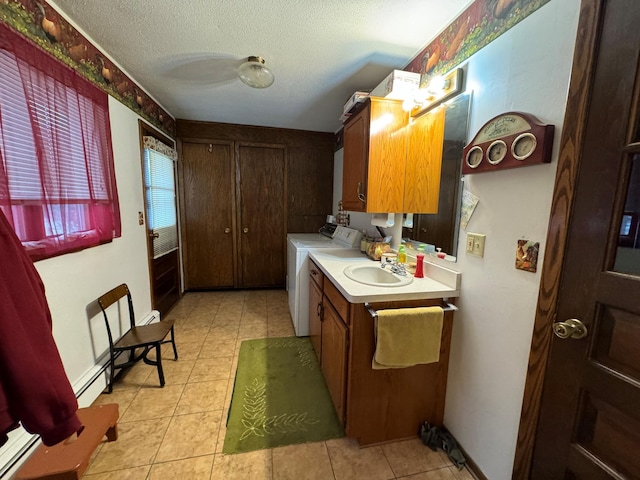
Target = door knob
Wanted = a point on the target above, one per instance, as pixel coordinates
(572, 328)
(245, 230)
(227, 230)
(154, 235)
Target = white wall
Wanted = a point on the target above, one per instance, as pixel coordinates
(526, 69)
(74, 281)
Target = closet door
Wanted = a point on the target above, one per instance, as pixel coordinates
(208, 206)
(261, 214)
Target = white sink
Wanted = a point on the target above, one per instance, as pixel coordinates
(376, 276)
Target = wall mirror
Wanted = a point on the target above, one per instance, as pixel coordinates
(441, 229)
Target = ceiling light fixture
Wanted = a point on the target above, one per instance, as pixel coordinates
(254, 73)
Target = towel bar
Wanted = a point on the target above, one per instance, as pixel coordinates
(448, 307)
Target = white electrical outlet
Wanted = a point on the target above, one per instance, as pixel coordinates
(475, 244)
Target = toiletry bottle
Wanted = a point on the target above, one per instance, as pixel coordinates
(419, 266)
(402, 255)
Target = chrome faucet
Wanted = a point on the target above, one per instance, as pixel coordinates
(397, 268)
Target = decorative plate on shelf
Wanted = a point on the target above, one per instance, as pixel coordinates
(510, 140)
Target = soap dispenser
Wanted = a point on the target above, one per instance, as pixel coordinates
(402, 254)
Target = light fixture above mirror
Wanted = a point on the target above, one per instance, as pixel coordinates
(254, 72)
(438, 90)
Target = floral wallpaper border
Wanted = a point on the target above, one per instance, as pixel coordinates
(43, 25)
(480, 24)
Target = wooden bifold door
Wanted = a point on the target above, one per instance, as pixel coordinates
(233, 213)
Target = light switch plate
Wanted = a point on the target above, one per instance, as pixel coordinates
(475, 244)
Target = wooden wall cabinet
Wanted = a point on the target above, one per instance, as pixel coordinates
(376, 406)
(374, 157)
(392, 163)
(425, 140)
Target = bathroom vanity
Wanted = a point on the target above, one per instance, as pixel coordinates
(375, 406)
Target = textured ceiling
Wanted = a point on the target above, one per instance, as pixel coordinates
(185, 53)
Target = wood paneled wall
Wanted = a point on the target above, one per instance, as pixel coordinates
(309, 165)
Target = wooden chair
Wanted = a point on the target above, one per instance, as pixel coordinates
(145, 337)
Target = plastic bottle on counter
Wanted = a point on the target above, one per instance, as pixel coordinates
(364, 242)
(402, 254)
(419, 266)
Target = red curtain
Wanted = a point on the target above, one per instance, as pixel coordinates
(57, 181)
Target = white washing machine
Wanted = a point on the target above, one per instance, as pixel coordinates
(298, 247)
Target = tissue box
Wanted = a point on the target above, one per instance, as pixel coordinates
(398, 85)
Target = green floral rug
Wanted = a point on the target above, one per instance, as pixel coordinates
(279, 397)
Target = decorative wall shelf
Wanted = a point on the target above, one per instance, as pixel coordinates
(509, 140)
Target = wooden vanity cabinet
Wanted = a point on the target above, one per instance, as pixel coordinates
(374, 157)
(391, 404)
(335, 345)
(315, 308)
(329, 334)
(376, 406)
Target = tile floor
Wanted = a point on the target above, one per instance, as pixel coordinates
(178, 431)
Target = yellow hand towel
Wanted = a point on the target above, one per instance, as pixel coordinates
(407, 337)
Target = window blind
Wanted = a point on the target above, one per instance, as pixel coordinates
(159, 181)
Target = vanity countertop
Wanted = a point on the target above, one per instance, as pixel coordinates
(439, 282)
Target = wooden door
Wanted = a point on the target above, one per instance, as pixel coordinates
(163, 254)
(208, 186)
(589, 424)
(334, 357)
(315, 316)
(354, 169)
(261, 215)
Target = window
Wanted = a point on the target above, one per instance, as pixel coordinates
(57, 183)
(160, 190)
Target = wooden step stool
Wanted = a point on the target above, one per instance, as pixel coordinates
(69, 462)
